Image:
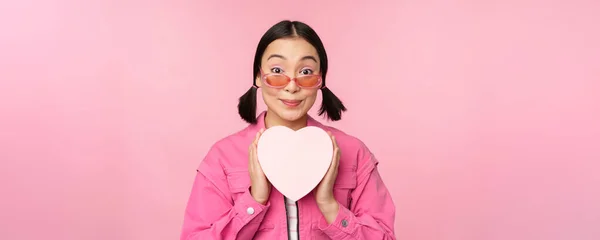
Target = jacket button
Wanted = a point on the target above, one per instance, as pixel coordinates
(250, 211)
(344, 223)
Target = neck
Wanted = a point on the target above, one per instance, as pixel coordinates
(271, 119)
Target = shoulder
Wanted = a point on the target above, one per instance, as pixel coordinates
(229, 152)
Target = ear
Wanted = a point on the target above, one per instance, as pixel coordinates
(257, 81)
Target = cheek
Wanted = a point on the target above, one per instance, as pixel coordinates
(269, 96)
(311, 96)
(270, 93)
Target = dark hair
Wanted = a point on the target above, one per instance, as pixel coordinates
(331, 105)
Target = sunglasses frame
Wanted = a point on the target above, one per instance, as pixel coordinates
(264, 76)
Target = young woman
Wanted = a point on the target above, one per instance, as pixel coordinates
(231, 197)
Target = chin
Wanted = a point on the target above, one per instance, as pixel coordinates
(291, 114)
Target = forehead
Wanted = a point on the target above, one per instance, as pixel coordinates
(293, 49)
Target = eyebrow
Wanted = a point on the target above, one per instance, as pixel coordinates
(282, 57)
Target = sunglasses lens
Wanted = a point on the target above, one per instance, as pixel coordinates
(308, 81)
(277, 80)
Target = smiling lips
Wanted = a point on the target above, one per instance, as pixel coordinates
(291, 103)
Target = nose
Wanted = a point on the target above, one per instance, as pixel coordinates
(292, 87)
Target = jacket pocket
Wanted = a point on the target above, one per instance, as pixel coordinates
(344, 185)
(238, 180)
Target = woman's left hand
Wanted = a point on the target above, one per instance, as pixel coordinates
(324, 191)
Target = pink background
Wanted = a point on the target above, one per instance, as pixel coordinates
(485, 115)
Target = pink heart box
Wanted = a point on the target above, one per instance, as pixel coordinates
(295, 161)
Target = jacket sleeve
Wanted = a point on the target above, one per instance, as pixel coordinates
(211, 213)
(373, 211)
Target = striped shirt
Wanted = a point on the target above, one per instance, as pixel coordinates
(292, 219)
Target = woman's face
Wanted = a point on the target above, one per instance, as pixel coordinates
(293, 57)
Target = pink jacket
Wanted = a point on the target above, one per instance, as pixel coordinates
(221, 207)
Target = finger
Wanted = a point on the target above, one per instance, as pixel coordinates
(254, 155)
(250, 158)
(336, 149)
(262, 130)
(255, 146)
(336, 160)
(334, 141)
(332, 167)
(250, 150)
(336, 153)
(256, 137)
(256, 163)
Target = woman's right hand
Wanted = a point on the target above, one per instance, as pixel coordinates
(260, 186)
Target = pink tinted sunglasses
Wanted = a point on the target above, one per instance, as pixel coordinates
(277, 80)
